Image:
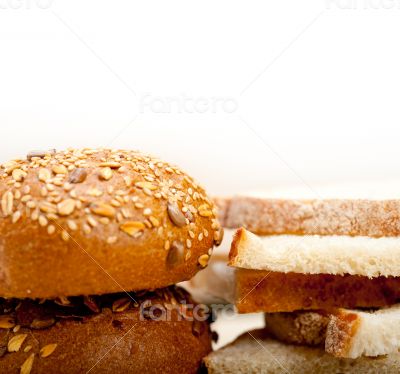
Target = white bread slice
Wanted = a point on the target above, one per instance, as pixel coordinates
(255, 352)
(338, 255)
(344, 333)
(353, 217)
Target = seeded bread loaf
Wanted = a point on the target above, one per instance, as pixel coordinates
(98, 221)
(373, 218)
(108, 334)
(266, 291)
(257, 353)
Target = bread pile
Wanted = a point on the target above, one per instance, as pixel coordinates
(326, 273)
(92, 242)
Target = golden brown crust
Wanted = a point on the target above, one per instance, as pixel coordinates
(373, 218)
(341, 329)
(238, 237)
(98, 221)
(264, 291)
(108, 342)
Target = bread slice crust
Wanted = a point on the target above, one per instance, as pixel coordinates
(374, 218)
(265, 291)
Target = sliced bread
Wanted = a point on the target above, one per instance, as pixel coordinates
(256, 353)
(315, 254)
(374, 218)
(265, 291)
(343, 333)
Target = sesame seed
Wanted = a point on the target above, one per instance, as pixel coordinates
(16, 216)
(111, 239)
(65, 235)
(72, 225)
(91, 221)
(44, 175)
(106, 173)
(51, 229)
(43, 221)
(203, 260)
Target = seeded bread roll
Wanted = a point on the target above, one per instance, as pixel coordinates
(81, 222)
(106, 334)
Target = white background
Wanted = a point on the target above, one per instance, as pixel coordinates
(243, 95)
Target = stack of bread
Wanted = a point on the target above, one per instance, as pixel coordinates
(326, 273)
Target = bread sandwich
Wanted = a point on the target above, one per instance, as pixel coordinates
(92, 242)
(327, 276)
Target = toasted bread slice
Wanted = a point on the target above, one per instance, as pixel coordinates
(343, 333)
(313, 254)
(373, 218)
(265, 291)
(255, 352)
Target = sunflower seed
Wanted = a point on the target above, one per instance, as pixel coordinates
(35, 153)
(77, 175)
(175, 214)
(175, 254)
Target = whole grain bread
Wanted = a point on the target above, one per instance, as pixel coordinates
(108, 334)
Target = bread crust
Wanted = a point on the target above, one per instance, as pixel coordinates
(341, 329)
(100, 221)
(375, 218)
(264, 291)
(111, 342)
(300, 327)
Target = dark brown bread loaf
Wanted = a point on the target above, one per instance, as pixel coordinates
(109, 334)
